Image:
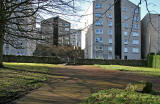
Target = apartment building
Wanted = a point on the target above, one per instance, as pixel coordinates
(75, 37)
(150, 34)
(56, 31)
(112, 30)
(20, 44)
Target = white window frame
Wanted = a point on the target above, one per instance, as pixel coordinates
(99, 39)
(99, 23)
(125, 17)
(66, 29)
(110, 41)
(67, 24)
(135, 50)
(135, 34)
(126, 41)
(137, 11)
(135, 26)
(99, 31)
(110, 48)
(125, 25)
(98, 48)
(110, 24)
(125, 33)
(110, 32)
(135, 42)
(125, 9)
(98, 14)
(110, 15)
(98, 6)
(125, 50)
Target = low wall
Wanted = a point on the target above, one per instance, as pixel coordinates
(32, 59)
(111, 62)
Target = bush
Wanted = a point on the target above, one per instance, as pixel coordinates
(153, 61)
(117, 96)
(145, 87)
(32, 59)
(111, 62)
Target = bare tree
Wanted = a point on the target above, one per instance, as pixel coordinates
(18, 19)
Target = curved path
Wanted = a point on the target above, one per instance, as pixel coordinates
(71, 84)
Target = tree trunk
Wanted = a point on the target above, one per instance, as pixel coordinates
(1, 47)
(2, 32)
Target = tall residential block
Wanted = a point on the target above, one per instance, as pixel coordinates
(75, 37)
(112, 30)
(55, 31)
(150, 34)
(21, 44)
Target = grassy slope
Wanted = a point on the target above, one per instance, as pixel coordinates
(18, 78)
(143, 70)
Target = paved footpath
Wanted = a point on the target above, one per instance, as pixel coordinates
(71, 84)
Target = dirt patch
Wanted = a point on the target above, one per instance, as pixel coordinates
(71, 84)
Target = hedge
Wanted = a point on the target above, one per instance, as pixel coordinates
(111, 62)
(153, 61)
(32, 59)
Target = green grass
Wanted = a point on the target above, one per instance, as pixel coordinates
(117, 96)
(17, 79)
(143, 70)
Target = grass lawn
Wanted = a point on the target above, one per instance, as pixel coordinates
(16, 79)
(118, 96)
(143, 70)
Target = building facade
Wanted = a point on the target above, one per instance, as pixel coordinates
(112, 30)
(150, 34)
(18, 41)
(75, 38)
(56, 31)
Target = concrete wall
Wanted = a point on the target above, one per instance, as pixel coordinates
(129, 13)
(150, 34)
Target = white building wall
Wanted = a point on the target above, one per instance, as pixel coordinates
(150, 35)
(130, 18)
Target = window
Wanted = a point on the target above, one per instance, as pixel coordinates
(136, 19)
(137, 11)
(135, 50)
(110, 48)
(125, 17)
(66, 29)
(110, 41)
(135, 42)
(67, 24)
(99, 31)
(110, 32)
(135, 34)
(99, 48)
(110, 16)
(125, 41)
(98, 14)
(99, 23)
(125, 33)
(125, 25)
(99, 40)
(110, 24)
(60, 24)
(110, 6)
(110, 57)
(124, 9)
(125, 50)
(135, 26)
(98, 6)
